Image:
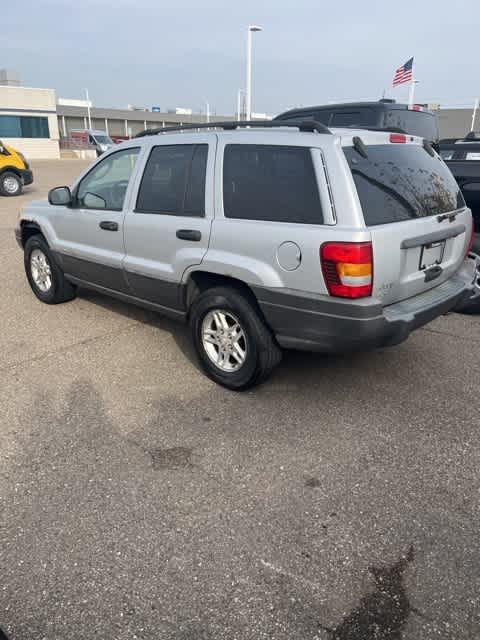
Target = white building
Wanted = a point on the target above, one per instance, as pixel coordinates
(28, 121)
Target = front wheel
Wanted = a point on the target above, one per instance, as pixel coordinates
(44, 275)
(10, 184)
(235, 347)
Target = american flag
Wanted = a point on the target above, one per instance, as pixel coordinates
(404, 73)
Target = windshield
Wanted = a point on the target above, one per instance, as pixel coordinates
(102, 139)
(402, 181)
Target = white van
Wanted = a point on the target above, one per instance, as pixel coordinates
(95, 137)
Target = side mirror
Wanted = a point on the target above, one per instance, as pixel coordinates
(92, 201)
(60, 196)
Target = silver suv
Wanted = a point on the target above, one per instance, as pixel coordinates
(261, 236)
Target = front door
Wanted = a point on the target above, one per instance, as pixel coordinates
(168, 228)
(90, 233)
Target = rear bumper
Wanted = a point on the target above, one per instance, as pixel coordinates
(320, 323)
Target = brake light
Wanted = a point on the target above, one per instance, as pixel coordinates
(398, 138)
(347, 268)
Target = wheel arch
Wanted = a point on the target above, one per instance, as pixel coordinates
(29, 229)
(10, 169)
(199, 281)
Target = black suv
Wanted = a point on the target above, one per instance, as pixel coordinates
(384, 114)
(463, 160)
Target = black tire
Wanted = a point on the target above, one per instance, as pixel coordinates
(262, 352)
(10, 184)
(472, 308)
(476, 244)
(60, 290)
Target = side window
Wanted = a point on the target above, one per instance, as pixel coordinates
(105, 186)
(276, 183)
(299, 117)
(360, 117)
(173, 182)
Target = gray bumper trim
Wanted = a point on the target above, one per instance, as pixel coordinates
(318, 323)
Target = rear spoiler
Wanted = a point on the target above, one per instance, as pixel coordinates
(384, 129)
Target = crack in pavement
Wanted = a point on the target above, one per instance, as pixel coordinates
(448, 333)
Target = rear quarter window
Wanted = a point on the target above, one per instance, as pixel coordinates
(269, 182)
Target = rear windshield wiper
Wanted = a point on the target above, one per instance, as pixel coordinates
(359, 146)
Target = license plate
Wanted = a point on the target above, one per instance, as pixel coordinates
(432, 254)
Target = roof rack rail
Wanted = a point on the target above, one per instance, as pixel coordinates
(309, 126)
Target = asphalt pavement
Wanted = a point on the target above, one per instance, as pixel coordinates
(340, 500)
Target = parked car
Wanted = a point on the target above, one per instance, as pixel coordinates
(119, 139)
(276, 236)
(384, 114)
(463, 160)
(96, 138)
(15, 171)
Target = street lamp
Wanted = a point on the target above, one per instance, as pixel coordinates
(88, 109)
(251, 29)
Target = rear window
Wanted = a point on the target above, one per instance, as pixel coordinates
(266, 182)
(402, 181)
(417, 123)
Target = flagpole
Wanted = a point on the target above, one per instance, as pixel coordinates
(411, 95)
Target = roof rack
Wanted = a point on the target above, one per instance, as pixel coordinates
(309, 126)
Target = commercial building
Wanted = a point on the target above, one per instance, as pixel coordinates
(35, 122)
(120, 122)
(28, 120)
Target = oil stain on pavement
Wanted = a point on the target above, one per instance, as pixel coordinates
(383, 613)
(171, 458)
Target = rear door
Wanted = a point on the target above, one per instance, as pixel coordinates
(168, 228)
(416, 214)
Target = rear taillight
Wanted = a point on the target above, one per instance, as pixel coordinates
(347, 268)
(398, 138)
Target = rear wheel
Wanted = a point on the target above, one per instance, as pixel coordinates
(44, 275)
(235, 347)
(474, 306)
(10, 184)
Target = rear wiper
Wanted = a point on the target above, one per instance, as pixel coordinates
(428, 148)
(448, 216)
(359, 146)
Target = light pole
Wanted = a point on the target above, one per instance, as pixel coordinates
(88, 109)
(240, 108)
(475, 109)
(251, 29)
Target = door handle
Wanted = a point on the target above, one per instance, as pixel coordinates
(108, 225)
(189, 234)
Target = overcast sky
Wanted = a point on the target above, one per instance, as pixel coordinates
(150, 52)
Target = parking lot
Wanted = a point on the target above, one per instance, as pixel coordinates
(140, 500)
